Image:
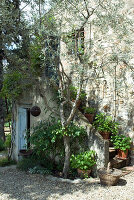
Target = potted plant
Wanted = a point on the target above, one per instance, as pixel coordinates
(73, 94)
(25, 152)
(122, 143)
(89, 113)
(105, 125)
(83, 162)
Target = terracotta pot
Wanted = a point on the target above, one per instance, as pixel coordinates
(78, 103)
(84, 173)
(90, 117)
(105, 135)
(25, 153)
(121, 154)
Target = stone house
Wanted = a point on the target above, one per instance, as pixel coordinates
(24, 119)
(109, 86)
(112, 92)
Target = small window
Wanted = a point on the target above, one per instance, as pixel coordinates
(76, 42)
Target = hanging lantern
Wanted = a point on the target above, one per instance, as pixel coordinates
(35, 111)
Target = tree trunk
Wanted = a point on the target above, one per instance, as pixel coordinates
(67, 156)
(2, 134)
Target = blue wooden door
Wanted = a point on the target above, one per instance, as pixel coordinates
(22, 117)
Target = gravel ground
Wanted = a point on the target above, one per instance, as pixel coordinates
(17, 185)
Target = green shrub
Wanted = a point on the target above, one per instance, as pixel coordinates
(26, 163)
(2, 147)
(7, 143)
(47, 138)
(39, 170)
(73, 93)
(14, 84)
(5, 162)
(85, 160)
(89, 110)
(121, 142)
(35, 165)
(45, 141)
(105, 123)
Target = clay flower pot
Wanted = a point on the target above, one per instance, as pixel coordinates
(121, 154)
(90, 117)
(78, 103)
(84, 173)
(25, 153)
(105, 135)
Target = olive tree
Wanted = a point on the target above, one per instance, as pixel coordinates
(73, 40)
(108, 28)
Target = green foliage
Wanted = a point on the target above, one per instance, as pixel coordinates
(85, 160)
(121, 142)
(26, 163)
(2, 147)
(8, 118)
(34, 163)
(105, 123)
(5, 162)
(7, 143)
(11, 86)
(71, 130)
(89, 110)
(47, 138)
(36, 56)
(73, 93)
(7, 124)
(39, 170)
(14, 85)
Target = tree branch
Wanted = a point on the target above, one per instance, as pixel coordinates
(62, 113)
(74, 108)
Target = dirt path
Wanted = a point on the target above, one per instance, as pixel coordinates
(17, 185)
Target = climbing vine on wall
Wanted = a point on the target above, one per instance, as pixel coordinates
(14, 84)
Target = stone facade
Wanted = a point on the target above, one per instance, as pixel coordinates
(20, 122)
(109, 86)
(110, 89)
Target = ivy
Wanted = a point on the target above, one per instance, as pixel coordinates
(36, 57)
(13, 85)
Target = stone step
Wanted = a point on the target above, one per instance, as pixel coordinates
(118, 163)
(132, 160)
(112, 152)
(110, 143)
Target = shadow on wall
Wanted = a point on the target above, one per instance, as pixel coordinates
(130, 117)
(93, 100)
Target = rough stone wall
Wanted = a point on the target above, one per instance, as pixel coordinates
(95, 142)
(27, 100)
(109, 88)
(116, 101)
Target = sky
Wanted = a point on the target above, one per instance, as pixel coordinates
(31, 8)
